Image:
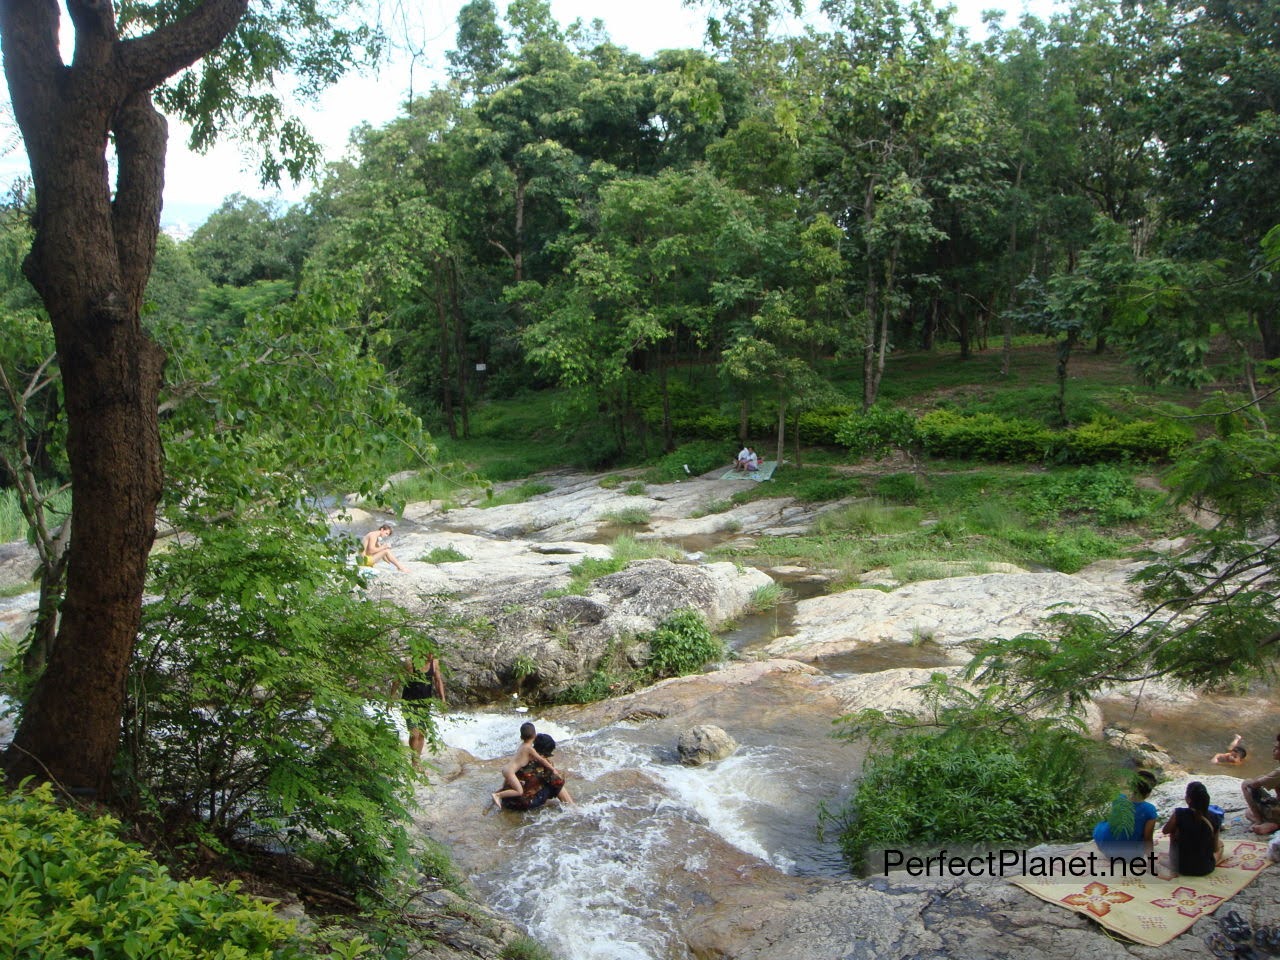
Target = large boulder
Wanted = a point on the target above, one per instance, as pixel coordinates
(705, 743)
(519, 635)
(950, 612)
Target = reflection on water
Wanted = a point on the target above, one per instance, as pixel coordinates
(875, 657)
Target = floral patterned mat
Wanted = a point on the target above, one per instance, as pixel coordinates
(1147, 909)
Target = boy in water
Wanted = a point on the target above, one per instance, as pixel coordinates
(524, 754)
(1235, 753)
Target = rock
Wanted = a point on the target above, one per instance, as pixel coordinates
(508, 632)
(1148, 755)
(948, 612)
(889, 690)
(1223, 792)
(705, 743)
(18, 563)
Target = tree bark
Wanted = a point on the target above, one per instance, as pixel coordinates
(89, 262)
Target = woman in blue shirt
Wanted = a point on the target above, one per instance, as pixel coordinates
(1137, 841)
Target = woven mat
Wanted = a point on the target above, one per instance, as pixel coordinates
(1147, 909)
(764, 473)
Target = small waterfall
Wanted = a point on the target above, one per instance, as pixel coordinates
(612, 878)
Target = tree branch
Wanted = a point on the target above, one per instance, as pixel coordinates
(141, 137)
(150, 59)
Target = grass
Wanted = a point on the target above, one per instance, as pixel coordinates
(444, 555)
(13, 525)
(18, 589)
(519, 494)
(767, 597)
(1058, 519)
(628, 517)
(623, 551)
(634, 489)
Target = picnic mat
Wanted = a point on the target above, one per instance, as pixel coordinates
(1147, 909)
(764, 473)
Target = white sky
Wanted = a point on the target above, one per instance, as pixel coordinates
(195, 185)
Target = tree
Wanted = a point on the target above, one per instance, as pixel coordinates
(90, 259)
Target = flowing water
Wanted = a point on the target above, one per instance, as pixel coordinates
(650, 839)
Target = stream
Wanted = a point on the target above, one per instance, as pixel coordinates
(651, 843)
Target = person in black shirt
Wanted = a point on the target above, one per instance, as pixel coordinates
(1194, 844)
(420, 688)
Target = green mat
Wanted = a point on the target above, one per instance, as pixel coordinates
(764, 473)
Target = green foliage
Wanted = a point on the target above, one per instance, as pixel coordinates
(275, 413)
(984, 436)
(72, 888)
(878, 432)
(633, 489)
(517, 494)
(247, 714)
(700, 457)
(822, 426)
(444, 555)
(1106, 494)
(944, 433)
(525, 948)
(13, 525)
(1104, 439)
(682, 644)
(974, 772)
(898, 488)
(628, 516)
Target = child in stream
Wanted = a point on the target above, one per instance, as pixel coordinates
(524, 754)
(1234, 753)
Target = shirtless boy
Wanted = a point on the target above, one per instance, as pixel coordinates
(1264, 809)
(373, 548)
(524, 754)
(1234, 754)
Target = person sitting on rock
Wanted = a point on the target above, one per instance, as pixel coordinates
(524, 754)
(373, 548)
(1264, 808)
(1139, 839)
(740, 462)
(1194, 842)
(1233, 754)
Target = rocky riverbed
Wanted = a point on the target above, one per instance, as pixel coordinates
(660, 860)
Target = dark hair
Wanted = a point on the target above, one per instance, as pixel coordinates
(1198, 797)
(1240, 752)
(1144, 781)
(527, 730)
(545, 744)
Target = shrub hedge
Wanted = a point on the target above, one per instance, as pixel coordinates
(72, 888)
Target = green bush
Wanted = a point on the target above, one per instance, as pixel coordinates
(1105, 493)
(983, 436)
(681, 645)
(248, 690)
(72, 888)
(1105, 439)
(440, 555)
(705, 426)
(983, 776)
(822, 427)
(700, 457)
(877, 432)
(899, 488)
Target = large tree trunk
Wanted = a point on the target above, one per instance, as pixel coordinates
(90, 261)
